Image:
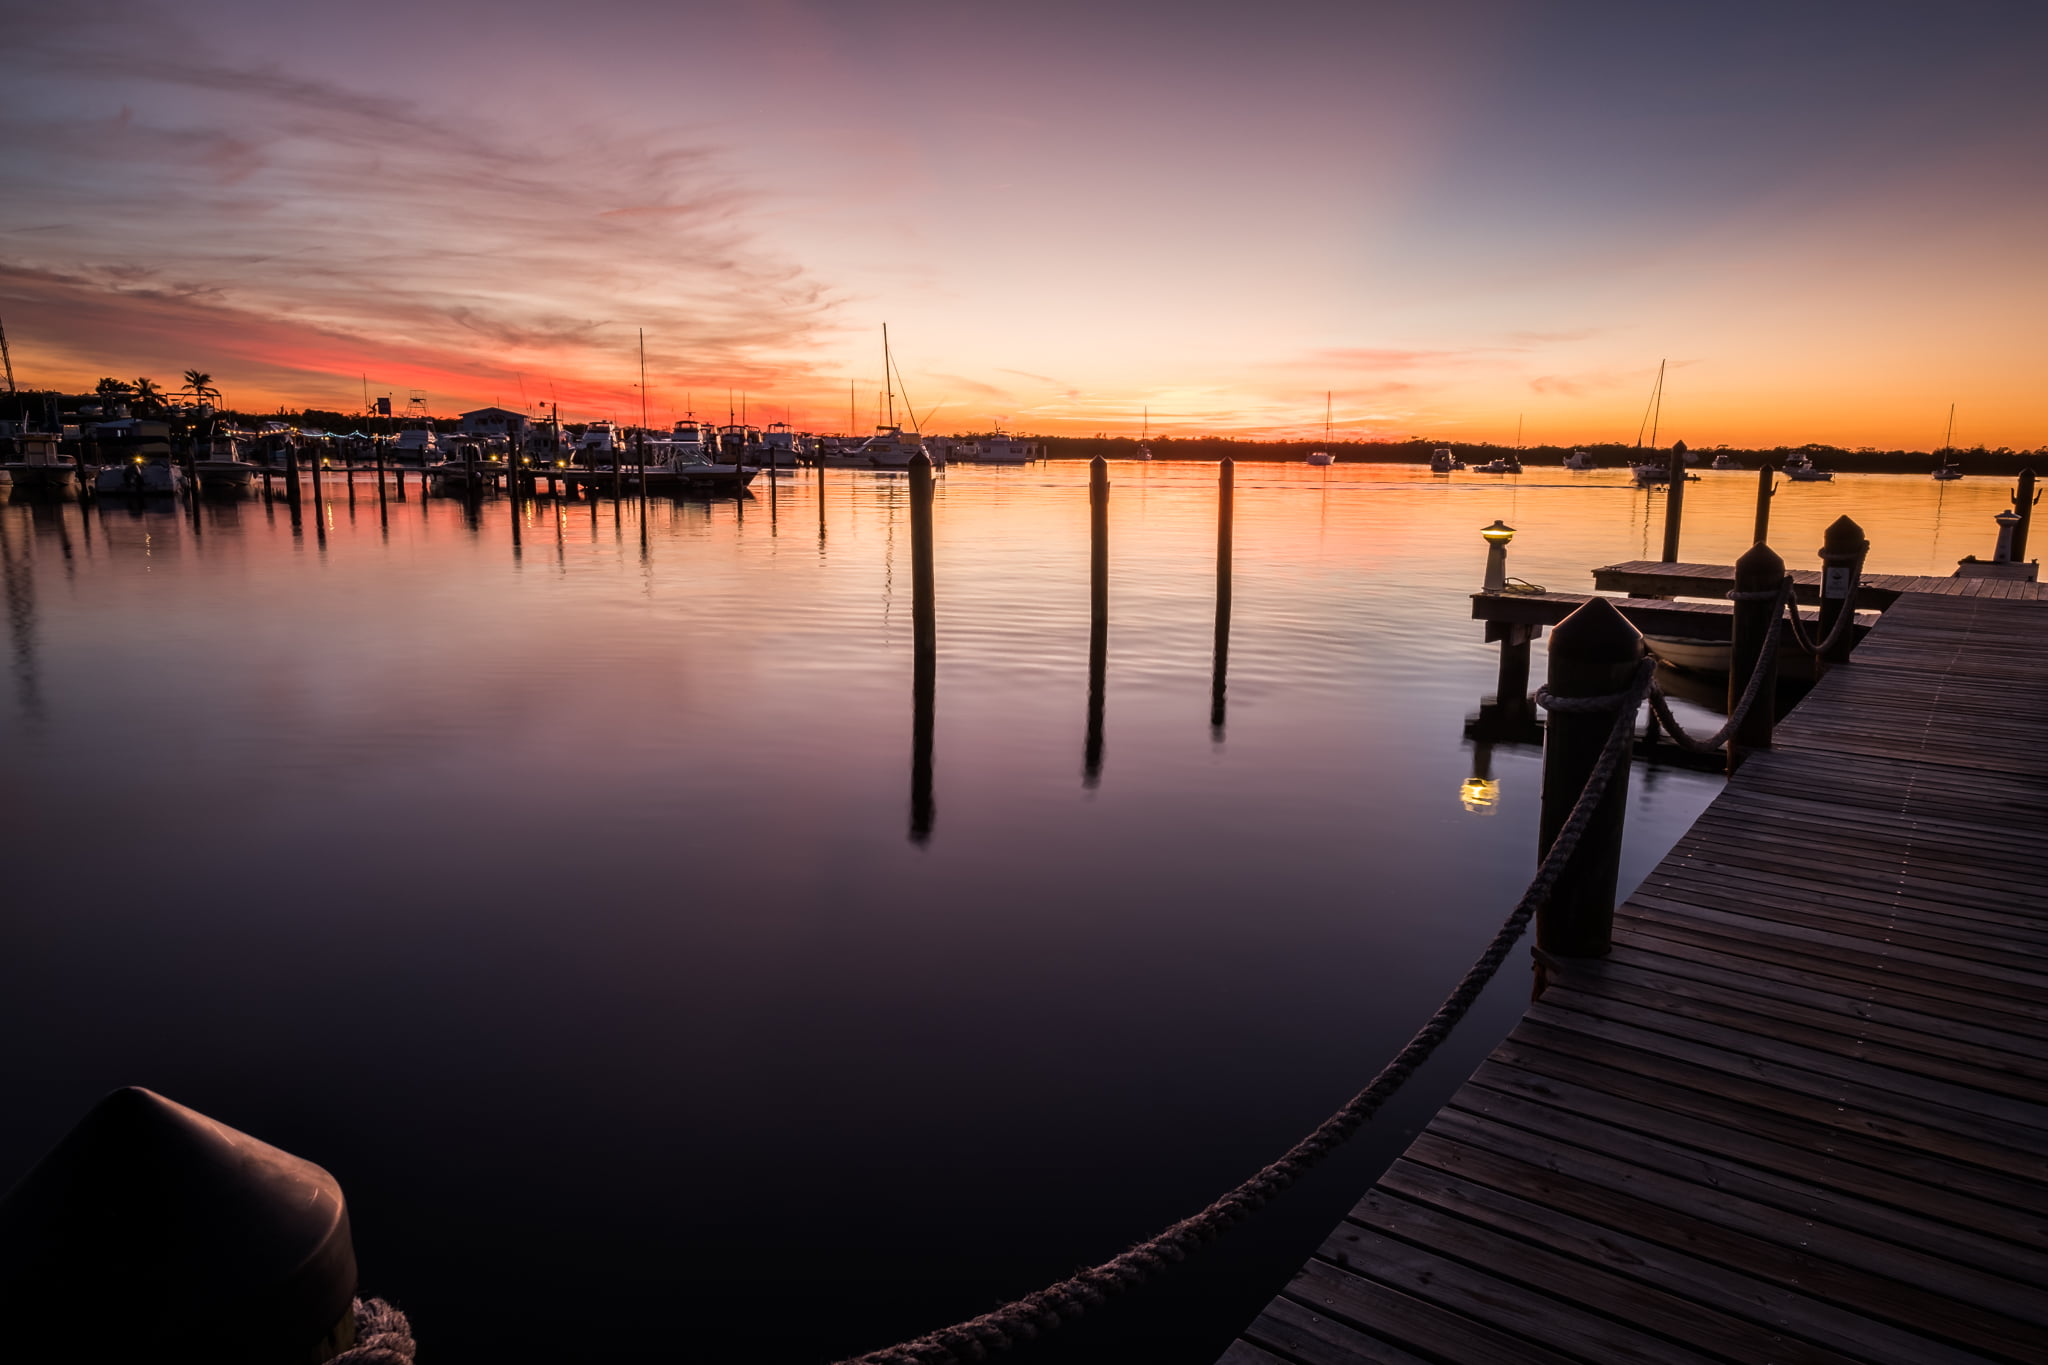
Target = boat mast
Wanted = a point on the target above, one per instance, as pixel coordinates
(888, 379)
(7, 360)
(1948, 439)
(1326, 416)
(1658, 414)
(643, 380)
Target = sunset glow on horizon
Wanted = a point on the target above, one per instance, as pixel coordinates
(1457, 221)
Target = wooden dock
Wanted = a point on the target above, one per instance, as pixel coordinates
(1652, 578)
(1675, 620)
(1801, 1113)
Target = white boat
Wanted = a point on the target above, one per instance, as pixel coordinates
(1445, 461)
(414, 445)
(1726, 461)
(837, 452)
(1323, 457)
(779, 446)
(598, 444)
(892, 448)
(1508, 465)
(1578, 459)
(141, 477)
(40, 466)
(1948, 471)
(1649, 473)
(1800, 468)
(1001, 449)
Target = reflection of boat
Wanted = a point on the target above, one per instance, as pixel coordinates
(1444, 461)
(1323, 456)
(1579, 460)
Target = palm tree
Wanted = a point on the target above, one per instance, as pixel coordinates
(149, 395)
(111, 392)
(199, 384)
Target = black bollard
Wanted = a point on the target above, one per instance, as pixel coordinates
(1765, 491)
(1219, 668)
(1842, 552)
(1674, 503)
(923, 616)
(1760, 570)
(1594, 652)
(2023, 499)
(1098, 614)
(151, 1232)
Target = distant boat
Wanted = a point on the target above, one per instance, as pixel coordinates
(889, 448)
(998, 448)
(1323, 456)
(1506, 465)
(1444, 461)
(1948, 468)
(1800, 468)
(1145, 438)
(1726, 461)
(1579, 460)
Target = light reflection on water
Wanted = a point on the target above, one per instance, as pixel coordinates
(556, 894)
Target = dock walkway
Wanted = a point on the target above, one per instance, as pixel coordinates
(1801, 1113)
(1653, 578)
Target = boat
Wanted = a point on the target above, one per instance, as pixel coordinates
(223, 470)
(40, 467)
(1444, 461)
(1948, 468)
(1647, 473)
(1320, 457)
(998, 448)
(141, 476)
(1800, 468)
(1726, 461)
(779, 446)
(1505, 465)
(836, 452)
(1579, 460)
(891, 448)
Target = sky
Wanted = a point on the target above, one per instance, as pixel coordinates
(1457, 220)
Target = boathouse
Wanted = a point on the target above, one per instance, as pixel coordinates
(488, 422)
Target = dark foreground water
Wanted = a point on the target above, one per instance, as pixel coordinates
(558, 893)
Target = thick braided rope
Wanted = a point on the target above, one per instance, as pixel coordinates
(1025, 1318)
(383, 1337)
(1662, 706)
(1835, 633)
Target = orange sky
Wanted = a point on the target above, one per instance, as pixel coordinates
(1454, 222)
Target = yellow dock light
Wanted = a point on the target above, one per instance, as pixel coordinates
(1497, 537)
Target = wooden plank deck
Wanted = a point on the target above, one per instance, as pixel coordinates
(1801, 1113)
(1876, 592)
(1676, 620)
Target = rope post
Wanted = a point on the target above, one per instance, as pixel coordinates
(1759, 596)
(1765, 491)
(1594, 653)
(1674, 503)
(1842, 552)
(2023, 503)
(151, 1232)
(926, 659)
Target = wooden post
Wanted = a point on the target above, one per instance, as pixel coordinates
(1765, 491)
(2023, 503)
(291, 471)
(1593, 653)
(1842, 552)
(1219, 668)
(1098, 614)
(380, 470)
(1674, 503)
(1759, 570)
(618, 470)
(1511, 687)
(923, 615)
(318, 516)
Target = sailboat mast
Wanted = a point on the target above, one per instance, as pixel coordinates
(1326, 416)
(1948, 438)
(7, 360)
(643, 379)
(888, 375)
(1657, 414)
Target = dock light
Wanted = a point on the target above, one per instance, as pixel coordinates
(2008, 522)
(1497, 537)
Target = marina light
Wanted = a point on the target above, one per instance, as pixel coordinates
(1500, 533)
(1497, 537)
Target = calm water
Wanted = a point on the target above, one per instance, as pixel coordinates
(556, 891)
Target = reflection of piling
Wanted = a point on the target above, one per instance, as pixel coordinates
(1226, 499)
(2023, 503)
(821, 499)
(1765, 491)
(1757, 572)
(1674, 503)
(1593, 653)
(924, 618)
(1842, 552)
(1098, 612)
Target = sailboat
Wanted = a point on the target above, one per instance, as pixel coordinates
(1145, 438)
(889, 448)
(1323, 456)
(1948, 468)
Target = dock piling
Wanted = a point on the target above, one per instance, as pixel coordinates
(1674, 503)
(1098, 614)
(1593, 653)
(1842, 552)
(1766, 489)
(1219, 667)
(1759, 571)
(925, 634)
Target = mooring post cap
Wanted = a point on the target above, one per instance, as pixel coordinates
(1593, 651)
(1759, 566)
(1842, 539)
(152, 1229)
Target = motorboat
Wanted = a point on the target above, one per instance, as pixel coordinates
(1507, 465)
(141, 476)
(1649, 472)
(891, 448)
(40, 468)
(414, 445)
(223, 470)
(840, 452)
(1001, 449)
(1800, 468)
(779, 448)
(1444, 461)
(1946, 472)
(1725, 461)
(1579, 459)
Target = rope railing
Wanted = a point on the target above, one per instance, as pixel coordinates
(1026, 1318)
